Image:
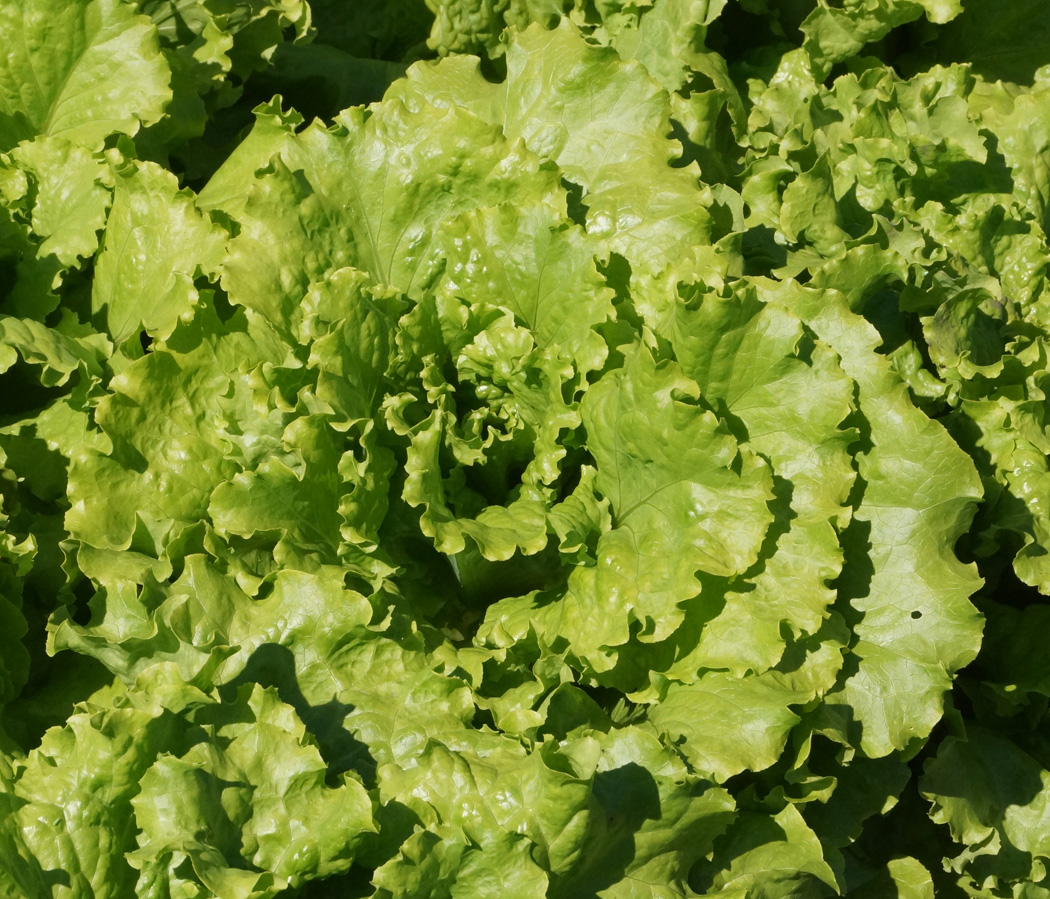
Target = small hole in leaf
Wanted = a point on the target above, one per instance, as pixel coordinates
(916, 614)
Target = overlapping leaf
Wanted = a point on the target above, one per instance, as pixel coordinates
(473, 494)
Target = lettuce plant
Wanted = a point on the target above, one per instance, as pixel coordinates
(531, 448)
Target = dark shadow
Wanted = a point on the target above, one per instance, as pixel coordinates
(946, 181)
(997, 532)
(376, 29)
(22, 391)
(319, 80)
(881, 886)
(857, 570)
(41, 470)
(354, 884)
(1011, 591)
(715, 152)
(752, 42)
(762, 254)
(56, 878)
(483, 581)
(617, 273)
(395, 822)
(854, 218)
(907, 830)
(80, 610)
(880, 305)
(575, 207)
(862, 788)
(8, 277)
(999, 40)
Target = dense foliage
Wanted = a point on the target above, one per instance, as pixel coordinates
(521, 448)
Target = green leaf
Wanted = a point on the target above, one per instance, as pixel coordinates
(499, 531)
(477, 26)
(300, 222)
(72, 197)
(767, 855)
(791, 399)
(254, 816)
(684, 497)
(156, 244)
(445, 865)
(301, 505)
(391, 700)
(166, 456)
(496, 790)
(918, 495)
(728, 724)
(205, 623)
(71, 807)
(679, 485)
(837, 31)
(603, 121)
(1022, 469)
(58, 355)
(81, 70)
(656, 821)
(540, 268)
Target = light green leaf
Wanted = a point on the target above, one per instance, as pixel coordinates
(835, 32)
(166, 456)
(497, 789)
(810, 211)
(478, 26)
(656, 822)
(59, 355)
(300, 220)
(918, 495)
(81, 70)
(728, 724)
(353, 346)
(249, 808)
(385, 692)
(445, 865)
(499, 531)
(603, 121)
(679, 485)
(156, 244)
(301, 503)
(684, 497)
(73, 795)
(791, 399)
(768, 856)
(72, 197)
(1023, 469)
(539, 267)
(205, 623)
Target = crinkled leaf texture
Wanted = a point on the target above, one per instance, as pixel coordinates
(543, 481)
(81, 70)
